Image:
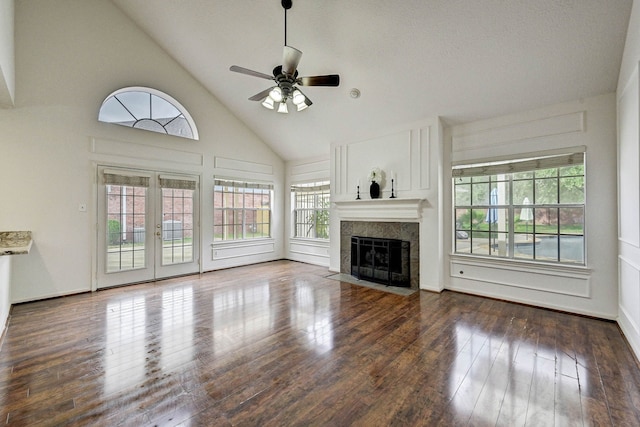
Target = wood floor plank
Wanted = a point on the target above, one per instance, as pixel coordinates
(281, 344)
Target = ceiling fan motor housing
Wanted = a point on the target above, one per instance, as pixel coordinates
(285, 81)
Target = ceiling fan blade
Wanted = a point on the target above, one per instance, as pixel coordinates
(260, 96)
(290, 60)
(249, 72)
(328, 80)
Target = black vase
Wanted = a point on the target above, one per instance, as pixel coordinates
(374, 190)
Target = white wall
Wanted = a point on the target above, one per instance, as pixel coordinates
(71, 54)
(587, 290)
(5, 290)
(7, 57)
(304, 250)
(414, 153)
(628, 102)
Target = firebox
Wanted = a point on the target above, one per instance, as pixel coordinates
(384, 261)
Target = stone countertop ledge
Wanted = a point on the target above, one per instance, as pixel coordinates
(15, 242)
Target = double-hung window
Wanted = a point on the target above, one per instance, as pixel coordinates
(242, 210)
(310, 203)
(529, 209)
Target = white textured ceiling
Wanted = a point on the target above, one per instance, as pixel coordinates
(462, 60)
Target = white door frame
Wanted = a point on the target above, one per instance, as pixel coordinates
(153, 269)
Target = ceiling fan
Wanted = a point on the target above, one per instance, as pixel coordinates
(286, 78)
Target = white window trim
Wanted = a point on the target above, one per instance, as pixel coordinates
(506, 261)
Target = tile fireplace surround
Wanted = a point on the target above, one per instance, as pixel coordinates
(408, 231)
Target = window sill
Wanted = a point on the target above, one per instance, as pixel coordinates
(243, 242)
(242, 249)
(520, 265)
(310, 241)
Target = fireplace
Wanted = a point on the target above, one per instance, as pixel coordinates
(384, 261)
(407, 232)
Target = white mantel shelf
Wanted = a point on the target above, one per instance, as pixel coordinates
(402, 210)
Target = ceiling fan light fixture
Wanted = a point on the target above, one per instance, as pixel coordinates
(298, 97)
(268, 103)
(276, 94)
(286, 78)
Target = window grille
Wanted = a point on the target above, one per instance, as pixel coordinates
(311, 203)
(126, 198)
(148, 109)
(177, 218)
(242, 210)
(530, 209)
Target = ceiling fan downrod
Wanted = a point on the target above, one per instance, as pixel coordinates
(286, 5)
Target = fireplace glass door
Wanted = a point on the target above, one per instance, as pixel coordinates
(378, 260)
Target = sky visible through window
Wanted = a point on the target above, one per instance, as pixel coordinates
(145, 110)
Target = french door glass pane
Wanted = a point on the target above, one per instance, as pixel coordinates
(126, 212)
(177, 226)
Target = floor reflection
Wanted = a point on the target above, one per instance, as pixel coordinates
(311, 313)
(177, 345)
(527, 377)
(124, 360)
(241, 316)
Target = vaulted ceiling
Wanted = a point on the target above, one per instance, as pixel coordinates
(461, 60)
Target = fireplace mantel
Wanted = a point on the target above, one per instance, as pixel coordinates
(402, 210)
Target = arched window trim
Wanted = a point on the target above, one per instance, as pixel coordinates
(171, 100)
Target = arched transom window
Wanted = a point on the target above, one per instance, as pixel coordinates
(148, 109)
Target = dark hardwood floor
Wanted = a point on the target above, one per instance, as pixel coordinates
(280, 344)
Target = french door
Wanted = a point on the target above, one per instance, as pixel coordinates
(147, 226)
